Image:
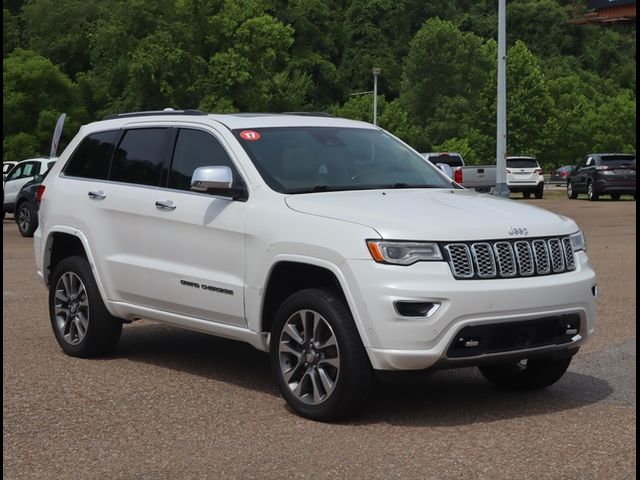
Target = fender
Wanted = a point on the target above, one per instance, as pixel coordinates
(46, 256)
(254, 321)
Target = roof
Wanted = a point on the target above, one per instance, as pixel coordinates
(237, 120)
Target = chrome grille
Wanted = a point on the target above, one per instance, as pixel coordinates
(525, 258)
(483, 260)
(460, 260)
(568, 253)
(508, 259)
(505, 259)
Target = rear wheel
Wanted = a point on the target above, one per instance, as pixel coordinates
(81, 323)
(526, 374)
(591, 192)
(27, 219)
(571, 193)
(615, 196)
(539, 191)
(317, 357)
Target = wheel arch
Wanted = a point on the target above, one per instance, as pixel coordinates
(288, 275)
(65, 242)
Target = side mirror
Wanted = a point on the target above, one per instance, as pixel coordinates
(446, 169)
(216, 180)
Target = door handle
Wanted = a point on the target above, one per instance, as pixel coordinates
(165, 205)
(97, 195)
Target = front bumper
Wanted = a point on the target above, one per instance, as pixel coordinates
(396, 342)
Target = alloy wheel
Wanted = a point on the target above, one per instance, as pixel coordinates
(71, 308)
(24, 219)
(309, 357)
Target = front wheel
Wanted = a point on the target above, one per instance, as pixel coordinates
(526, 374)
(317, 356)
(526, 194)
(615, 196)
(81, 323)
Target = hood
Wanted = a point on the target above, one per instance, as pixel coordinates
(433, 214)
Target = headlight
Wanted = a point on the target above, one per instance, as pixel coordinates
(403, 253)
(578, 242)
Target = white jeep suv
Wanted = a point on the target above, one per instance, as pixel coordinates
(326, 242)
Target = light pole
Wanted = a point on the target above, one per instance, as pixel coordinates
(376, 71)
(501, 189)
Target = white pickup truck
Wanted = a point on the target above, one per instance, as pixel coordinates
(326, 242)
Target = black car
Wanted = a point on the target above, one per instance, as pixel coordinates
(27, 203)
(598, 174)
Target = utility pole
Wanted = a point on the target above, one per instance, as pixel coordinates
(376, 71)
(501, 189)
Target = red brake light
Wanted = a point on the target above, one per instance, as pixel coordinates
(39, 193)
(538, 170)
(457, 175)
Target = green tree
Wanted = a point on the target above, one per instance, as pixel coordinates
(445, 73)
(60, 30)
(35, 92)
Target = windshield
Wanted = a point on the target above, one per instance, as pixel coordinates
(522, 163)
(316, 159)
(619, 160)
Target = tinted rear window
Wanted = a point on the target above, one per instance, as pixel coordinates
(618, 160)
(451, 160)
(522, 163)
(91, 159)
(139, 157)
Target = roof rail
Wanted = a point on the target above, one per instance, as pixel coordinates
(309, 114)
(166, 111)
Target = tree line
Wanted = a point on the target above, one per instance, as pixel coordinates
(571, 88)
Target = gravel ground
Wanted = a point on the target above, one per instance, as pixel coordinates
(173, 404)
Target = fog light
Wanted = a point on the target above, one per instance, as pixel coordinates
(416, 309)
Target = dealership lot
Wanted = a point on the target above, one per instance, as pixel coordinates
(175, 404)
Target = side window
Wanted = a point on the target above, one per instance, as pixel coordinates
(195, 148)
(139, 157)
(590, 162)
(91, 158)
(25, 170)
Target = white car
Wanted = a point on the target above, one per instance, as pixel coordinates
(6, 168)
(20, 174)
(326, 242)
(524, 174)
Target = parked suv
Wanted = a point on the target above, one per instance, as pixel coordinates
(524, 174)
(598, 174)
(326, 242)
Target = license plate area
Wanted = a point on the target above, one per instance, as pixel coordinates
(474, 340)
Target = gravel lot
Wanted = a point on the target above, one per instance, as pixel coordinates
(172, 404)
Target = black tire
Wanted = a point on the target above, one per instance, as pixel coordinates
(591, 192)
(526, 194)
(539, 192)
(26, 218)
(103, 330)
(537, 373)
(571, 193)
(354, 379)
(615, 196)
